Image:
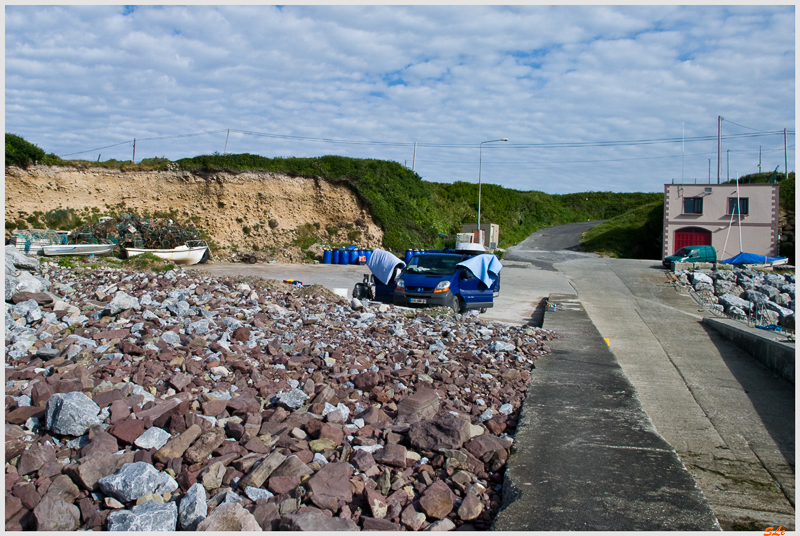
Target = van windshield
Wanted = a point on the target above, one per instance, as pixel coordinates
(433, 264)
(683, 252)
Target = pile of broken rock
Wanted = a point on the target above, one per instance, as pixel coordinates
(743, 292)
(144, 401)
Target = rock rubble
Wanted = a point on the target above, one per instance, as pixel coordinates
(743, 292)
(145, 401)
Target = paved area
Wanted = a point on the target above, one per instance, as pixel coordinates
(586, 455)
(731, 420)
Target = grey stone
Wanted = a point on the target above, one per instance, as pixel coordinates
(71, 413)
(154, 437)
(30, 283)
(500, 346)
(14, 257)
(294, 399)
(193, 508)
(29, 309)
(257, 493)
(122, 302)
(148, 516)
(137, 479)
(170, 337)
(201, 327)
(180, 308)
(729, 300)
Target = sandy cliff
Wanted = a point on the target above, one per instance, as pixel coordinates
(235, 209)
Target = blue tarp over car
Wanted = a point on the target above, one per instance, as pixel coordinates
(751, 258)
(484, 267)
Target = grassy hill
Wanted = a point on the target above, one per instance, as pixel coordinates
(412, 212)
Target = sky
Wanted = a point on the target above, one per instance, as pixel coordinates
(590, 98)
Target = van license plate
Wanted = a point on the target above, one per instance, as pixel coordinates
(417, 300)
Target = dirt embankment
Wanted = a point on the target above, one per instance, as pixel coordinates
(249, 210)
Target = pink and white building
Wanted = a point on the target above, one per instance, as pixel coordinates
(712, 215)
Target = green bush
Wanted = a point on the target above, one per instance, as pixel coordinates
(22, 153)
(633, 235)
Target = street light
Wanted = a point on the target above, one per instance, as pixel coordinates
(480, 162)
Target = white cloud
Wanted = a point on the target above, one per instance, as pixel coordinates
(78, 78)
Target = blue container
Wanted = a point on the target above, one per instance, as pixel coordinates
(326, 256)
(409, 254)
(353, 256)
(344, 258)
(368, 254)
(335, 256)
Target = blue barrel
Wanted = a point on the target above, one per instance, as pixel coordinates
(368, 254)
(335, 256)
(344, 257)
(353, 256)
(409, 254)
(326, 256)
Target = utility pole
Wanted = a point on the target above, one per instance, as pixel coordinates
(709, 171)
(719, 142)
(785, 155)
(414, 161)
(133, 160)
(728, 171)
(759, 159)
(225, 151)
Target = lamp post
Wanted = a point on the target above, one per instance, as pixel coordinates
(480, 162)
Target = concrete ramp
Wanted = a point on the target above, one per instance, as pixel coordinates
(586, 455)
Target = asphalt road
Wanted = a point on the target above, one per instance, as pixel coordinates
(731, 420)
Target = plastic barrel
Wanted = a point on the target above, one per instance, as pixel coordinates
(368, 254)
(353, 256)
(409, 254)
(344, 257)
(335, 256)
(326, 256)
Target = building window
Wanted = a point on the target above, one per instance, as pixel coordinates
(693, 205)
(742, 207)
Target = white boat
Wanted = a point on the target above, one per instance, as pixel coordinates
(77, 249)
(194, 252)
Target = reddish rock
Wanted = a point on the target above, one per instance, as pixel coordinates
(53, 513)
(63, 487)
(128, 430)
(334, 432)
(205, 445)
(362, 460)
(391, 454)
(445, 431)
(437, 500)
(212, 408)
(371, 523)
(411, 518)
(92, 468)
(330, 485)
(376, 502)
(366, 381)
(21, 415)
(27, 494)
(471, 507)
(241, 334)
(176, 446)
(101, 442)
(283, 484)
(34, 458)
(421, 405)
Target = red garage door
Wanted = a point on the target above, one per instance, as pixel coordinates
(692, 236)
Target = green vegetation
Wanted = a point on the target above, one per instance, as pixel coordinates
(417, 213)
(22, 153)
(786, 200)
(148, 261)
(633, 235)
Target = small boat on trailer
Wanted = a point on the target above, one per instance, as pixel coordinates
(193, 252)
(753, 260)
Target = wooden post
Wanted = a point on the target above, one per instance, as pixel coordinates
(133, 160)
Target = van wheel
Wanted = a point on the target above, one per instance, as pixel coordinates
(484, 309)
(453, 304)
(462, 307)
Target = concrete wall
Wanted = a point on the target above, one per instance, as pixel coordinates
(759, 228)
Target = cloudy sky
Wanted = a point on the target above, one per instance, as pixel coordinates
(622, 98)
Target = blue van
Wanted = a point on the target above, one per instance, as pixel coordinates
(458, 279)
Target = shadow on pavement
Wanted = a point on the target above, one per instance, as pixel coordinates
(771, 395)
